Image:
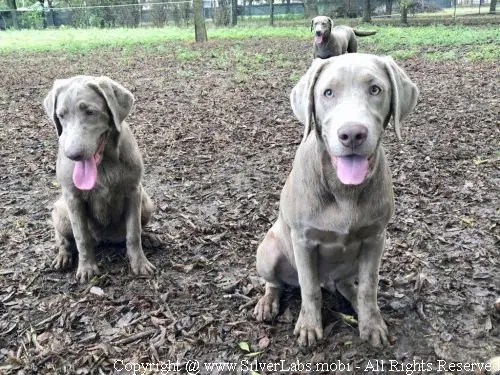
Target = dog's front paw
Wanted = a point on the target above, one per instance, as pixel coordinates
(309, 328)
(142, 267)
(86, 271)
(374, 330)
(62, 260)
(268, 306)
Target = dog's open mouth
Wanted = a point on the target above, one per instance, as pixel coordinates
(85, 171)
(352, 169)
(318, 39)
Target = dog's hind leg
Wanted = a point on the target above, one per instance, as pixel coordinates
(352, 45)
(65, 241)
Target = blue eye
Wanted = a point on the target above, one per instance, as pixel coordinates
(328, 93)
(375, 90)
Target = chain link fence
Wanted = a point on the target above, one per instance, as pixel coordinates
(137, 13)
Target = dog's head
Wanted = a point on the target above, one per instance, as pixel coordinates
(85, 110)
(349, 99)
(321, 27)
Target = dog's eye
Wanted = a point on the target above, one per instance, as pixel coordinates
(375, 90)
(60, 116)
(328, 93)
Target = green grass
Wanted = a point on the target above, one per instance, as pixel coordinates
(82, 40)
(400, 42)
(391, 38)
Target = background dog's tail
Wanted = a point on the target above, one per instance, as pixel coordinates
(364, 33)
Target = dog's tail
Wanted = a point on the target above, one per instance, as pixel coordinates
(363, 33)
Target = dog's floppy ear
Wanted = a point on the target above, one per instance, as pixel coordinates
(312, 24)
(302, 95)
(404, 93)
(330, 21)
(118, 99)
(50, 103)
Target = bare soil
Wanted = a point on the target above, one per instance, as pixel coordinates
(218, 138)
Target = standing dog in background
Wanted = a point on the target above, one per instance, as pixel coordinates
(334, 41)
(99, 168)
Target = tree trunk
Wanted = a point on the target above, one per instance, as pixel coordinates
(310, 9)
(493, 6)
(388, 7)
(288, 6)
(271, 19)
(404, 14)
(13, 10)
(51, 12)
(367, 17)
(347, 7)
(200, 31)
(234, 12)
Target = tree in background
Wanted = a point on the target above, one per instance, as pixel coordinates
(234, 12)
(287, 6)
(388, 7)
(271, 18)
(200, 31)
(367, 11)
(403, 8)
(310, 9)
(493, 6)
(222, 16)
(13, 10)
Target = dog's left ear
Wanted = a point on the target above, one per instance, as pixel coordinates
(404, 93)
(302, 95)
(118, 98)
(330, 22)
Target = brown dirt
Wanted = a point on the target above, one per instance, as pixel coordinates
(218, 138)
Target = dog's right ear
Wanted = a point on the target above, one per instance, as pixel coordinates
(302, 95)
(50, 103)
(312, 24)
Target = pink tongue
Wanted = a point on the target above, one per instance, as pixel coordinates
(85, 174)
(352, 169)
(318, 39)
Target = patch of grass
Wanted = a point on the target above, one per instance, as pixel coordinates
(484, 52)
(82, 40)
(441, 55)
(186, 54)
(186, 73)
(402, 54)
(295, 76)
(394, 38)
(390, 40)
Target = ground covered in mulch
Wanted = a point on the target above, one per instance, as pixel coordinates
(218, 137)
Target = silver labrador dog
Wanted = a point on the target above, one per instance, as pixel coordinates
(99, 168)
(338, 198)
(334, 41)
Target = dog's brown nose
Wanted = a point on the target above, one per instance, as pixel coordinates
(352, 135)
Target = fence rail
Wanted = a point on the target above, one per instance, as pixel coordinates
(180, 12)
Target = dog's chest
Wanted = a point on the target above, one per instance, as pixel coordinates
(335, 232)
(106, 204)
